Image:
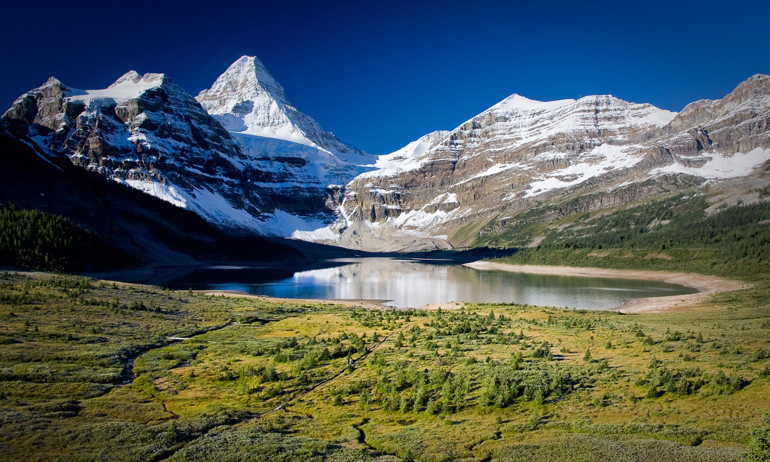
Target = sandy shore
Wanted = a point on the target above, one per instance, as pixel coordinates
(706, 285)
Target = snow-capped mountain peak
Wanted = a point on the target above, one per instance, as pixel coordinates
(247, 100)
(246, 80)
(518, 103)
(130, 76)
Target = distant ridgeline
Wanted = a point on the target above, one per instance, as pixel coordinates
(35, 240)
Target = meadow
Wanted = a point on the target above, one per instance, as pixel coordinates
(265, 379)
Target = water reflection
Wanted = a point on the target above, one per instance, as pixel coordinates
(410, 283)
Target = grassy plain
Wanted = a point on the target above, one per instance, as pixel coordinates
(262, 379)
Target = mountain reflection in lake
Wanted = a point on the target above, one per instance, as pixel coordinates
(412, 283)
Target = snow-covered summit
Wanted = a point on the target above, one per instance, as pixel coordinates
(246, 99)
(246, 80)
(518, 103)
(130, 86)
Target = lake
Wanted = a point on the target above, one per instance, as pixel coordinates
(412, 283)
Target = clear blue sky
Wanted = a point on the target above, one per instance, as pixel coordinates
(380, 74)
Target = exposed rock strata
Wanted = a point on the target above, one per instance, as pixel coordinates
(584, 155)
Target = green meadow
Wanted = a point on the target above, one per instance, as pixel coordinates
(281, 380)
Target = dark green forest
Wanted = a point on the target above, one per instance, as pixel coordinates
(35, 240)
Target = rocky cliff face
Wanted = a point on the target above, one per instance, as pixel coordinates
(738, 123)
(144, 131)
(276, 176)
(593, 153)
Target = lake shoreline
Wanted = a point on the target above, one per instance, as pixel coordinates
(706, 285)
(348, 302)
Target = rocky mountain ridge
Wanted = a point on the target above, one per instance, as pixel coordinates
(150, 134)
(242, 157)
(593, 153)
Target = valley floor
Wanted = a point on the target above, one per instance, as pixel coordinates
(96, 370)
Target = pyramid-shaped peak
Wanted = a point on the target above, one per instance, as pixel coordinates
(516, 102)
(52, 81)
(250, 66)
(247, 77)
(130, 76)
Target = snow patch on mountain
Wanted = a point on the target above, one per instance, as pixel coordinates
(129, 86)
(214, 208)
(445, 198)
(164, 191)
(720, 166)
(497, 168)
(283, 224)
(410, 157)
(594, 163)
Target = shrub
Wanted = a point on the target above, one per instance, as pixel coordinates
(759, 443)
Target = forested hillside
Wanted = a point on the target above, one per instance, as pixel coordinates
(674, 234)
(35, 240)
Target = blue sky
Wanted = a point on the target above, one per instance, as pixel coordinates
(380, 74)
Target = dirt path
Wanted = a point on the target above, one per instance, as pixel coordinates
(706, 285)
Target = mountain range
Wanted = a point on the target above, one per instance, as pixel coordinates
(245, 160)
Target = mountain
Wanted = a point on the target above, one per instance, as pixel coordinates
(308, 161)
(247, 100)
(277, 176)
(244, 159)
(145, 227)
(145, 132)
(530, 161)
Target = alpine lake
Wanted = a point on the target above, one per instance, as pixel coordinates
(412, 283)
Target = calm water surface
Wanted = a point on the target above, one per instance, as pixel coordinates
(411, 283)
